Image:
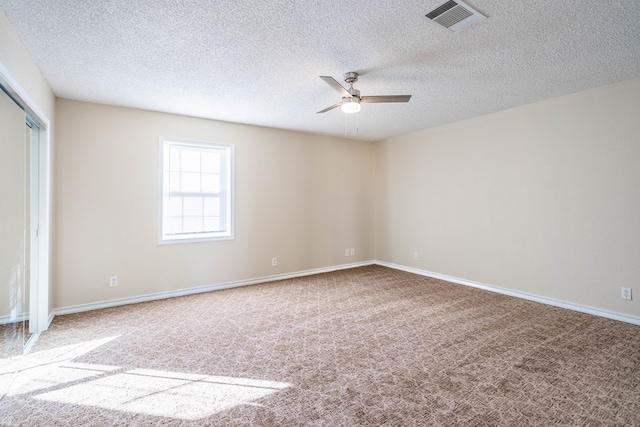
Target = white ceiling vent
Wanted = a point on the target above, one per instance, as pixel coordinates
(455, 15)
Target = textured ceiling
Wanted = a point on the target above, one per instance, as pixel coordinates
(258, 61)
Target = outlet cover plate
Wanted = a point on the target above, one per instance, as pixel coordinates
(625, 293)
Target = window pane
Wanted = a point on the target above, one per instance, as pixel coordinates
(192, 224)
(174, 181)
(193, 206)
(190, 182)
(165, 158)
(172, 225)
(211, 161)
(212, 223)
(173, 159)
(211, 206)
(165, 181)
(190, 160)
(172, 206)
(210, 183)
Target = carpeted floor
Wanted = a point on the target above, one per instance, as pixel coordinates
(366, 346)
(13, 337)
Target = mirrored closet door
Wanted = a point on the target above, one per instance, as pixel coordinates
(18, 224)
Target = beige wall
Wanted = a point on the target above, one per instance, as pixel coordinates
(14, 56)
(299, 197)
(542, 199)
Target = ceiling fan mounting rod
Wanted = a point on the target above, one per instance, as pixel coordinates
(351, 77)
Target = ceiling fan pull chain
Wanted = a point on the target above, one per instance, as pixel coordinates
(346, 123)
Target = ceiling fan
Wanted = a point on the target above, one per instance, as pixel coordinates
(351, 98)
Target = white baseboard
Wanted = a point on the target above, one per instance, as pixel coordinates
(5, 320)
(544, 300)
(50, 319)
(197, 290)
(208, 288)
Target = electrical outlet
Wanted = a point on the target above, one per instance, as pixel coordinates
(113, 281)
(347, 252)
(353, 251)
(274, 262)
(625, 293)
(415, 256)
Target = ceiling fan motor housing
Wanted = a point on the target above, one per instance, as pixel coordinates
(351, 77)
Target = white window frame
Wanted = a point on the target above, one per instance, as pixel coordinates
(226, 192)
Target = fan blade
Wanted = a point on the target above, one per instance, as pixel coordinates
(337, 86)
(330, 108)
(385, 98)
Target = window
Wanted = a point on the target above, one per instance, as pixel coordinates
(196, 191)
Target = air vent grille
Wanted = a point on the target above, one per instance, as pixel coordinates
(455, 15)
(442, 9)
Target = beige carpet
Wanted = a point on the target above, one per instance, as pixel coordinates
(13, 338)
(366, 346)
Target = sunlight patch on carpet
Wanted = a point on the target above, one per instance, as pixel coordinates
(165, 394)
(48, 369)
(53, 376)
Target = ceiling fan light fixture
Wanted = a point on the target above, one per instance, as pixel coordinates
(350, 105)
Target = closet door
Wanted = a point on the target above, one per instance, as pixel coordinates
(13, 228)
